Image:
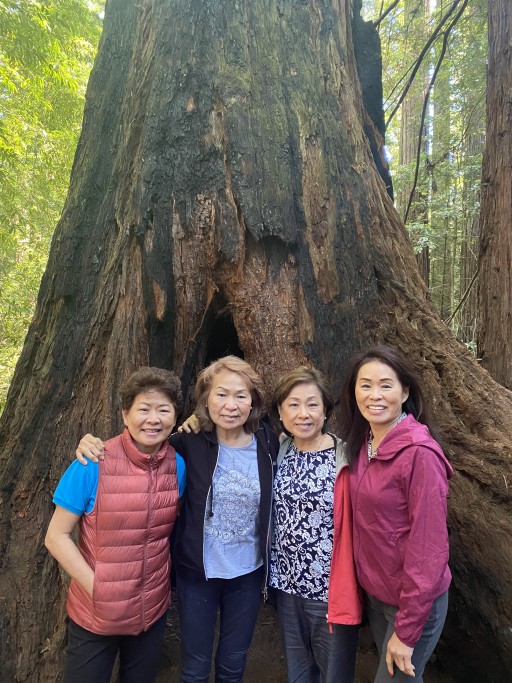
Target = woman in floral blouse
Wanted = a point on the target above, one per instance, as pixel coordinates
(312, 481)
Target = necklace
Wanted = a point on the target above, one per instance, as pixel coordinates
(373, 453)
(318, 446)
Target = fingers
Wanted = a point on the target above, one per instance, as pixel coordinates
(184, 428)
(80, 457)
(400, 655)
(84, 454)
(389, 663)
(402, 663)
(408, 668)
(89, 448)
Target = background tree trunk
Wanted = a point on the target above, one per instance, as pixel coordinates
(495, 256)
(416, 13)
(466, 320)
(223, 198)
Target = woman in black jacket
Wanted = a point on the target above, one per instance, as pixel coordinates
(222, 542)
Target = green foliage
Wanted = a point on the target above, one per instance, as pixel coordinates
(443, 215)
(46, 55)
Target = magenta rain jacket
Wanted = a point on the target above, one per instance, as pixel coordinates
(399, 523)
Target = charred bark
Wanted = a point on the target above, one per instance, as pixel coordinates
(223, 197)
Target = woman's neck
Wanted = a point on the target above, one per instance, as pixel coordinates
(233, 437)
(377, 435)
(314, 444)
(379, 431)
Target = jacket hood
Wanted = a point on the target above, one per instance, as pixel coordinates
(410, 432)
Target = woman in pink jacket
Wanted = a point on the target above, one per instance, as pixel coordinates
(399, 484)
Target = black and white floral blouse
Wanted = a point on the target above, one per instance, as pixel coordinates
(302, 535)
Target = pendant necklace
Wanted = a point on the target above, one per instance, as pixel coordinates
(373, 453)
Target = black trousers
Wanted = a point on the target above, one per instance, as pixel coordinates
(90, 657)
(237, 602)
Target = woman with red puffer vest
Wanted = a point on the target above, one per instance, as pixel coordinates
(125, 510)
(399, 484)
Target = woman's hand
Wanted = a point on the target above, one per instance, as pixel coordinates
(61, 545)
(400, 654)
(190, 425)
(90, 448)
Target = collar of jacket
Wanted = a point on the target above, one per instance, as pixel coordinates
(341, 457)
(143, 460)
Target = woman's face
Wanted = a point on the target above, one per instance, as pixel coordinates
(302, 412)
(229, 401)
(379, 394)
(150, 420)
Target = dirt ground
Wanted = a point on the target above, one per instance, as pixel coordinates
(266, 663)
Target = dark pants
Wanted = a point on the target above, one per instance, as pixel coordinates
(90, 657)
(382, 623)
(314, 651)
(199, 601)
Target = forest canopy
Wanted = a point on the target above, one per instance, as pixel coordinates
(46, 54)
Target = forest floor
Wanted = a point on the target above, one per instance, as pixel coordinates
(265, 662)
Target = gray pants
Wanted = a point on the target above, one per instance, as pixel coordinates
(314, 651)
(382, 623)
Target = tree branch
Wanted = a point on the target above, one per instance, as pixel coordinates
(385, 13)
(424, 51)
(425, 104)
(463, 298)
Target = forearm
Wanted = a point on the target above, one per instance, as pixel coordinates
(426, 550)
(64, 550)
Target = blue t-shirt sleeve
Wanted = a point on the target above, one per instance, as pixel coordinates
(181, 472)
(76, 491)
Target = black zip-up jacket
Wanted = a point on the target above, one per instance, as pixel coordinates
(200, 452)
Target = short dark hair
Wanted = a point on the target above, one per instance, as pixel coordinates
(147, 378)
(250, 377)
(301, 375)
(352, 425)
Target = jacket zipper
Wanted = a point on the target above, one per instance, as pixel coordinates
(366, 466)
(206, 507)
(266, 559)
(144, 566)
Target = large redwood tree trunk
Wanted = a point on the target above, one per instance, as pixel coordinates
(495, 255)
(223, 197)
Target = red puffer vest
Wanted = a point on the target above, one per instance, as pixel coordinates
(125, 539)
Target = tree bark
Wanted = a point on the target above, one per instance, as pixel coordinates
(495, 255)
(223, 196)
